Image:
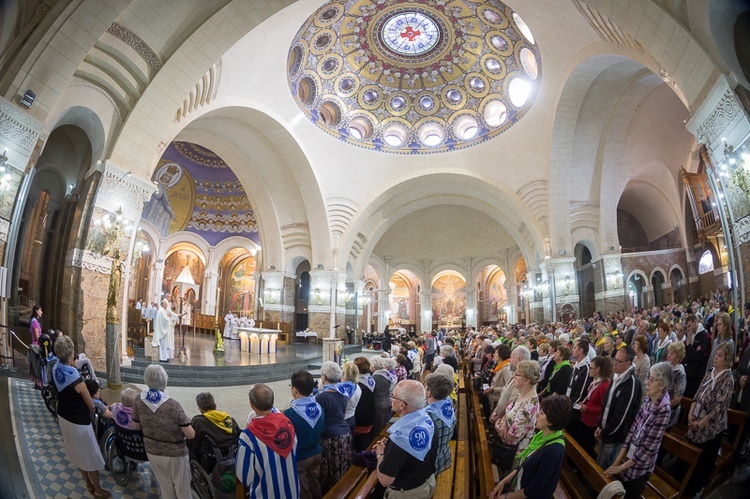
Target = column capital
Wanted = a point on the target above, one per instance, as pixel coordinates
(120, 189)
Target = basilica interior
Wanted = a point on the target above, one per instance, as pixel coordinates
(368, 163)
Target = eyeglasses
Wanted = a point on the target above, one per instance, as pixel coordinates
(618, 361)
(400, 400)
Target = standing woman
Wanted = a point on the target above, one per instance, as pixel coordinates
(350, 374)
(593, 405)
(364, 414)
(708, 416)
(538, 473)
(675, 354)
(35, 325)
(384, 384)
(165, 427)
(336, 457)
(637, 458)
(74, 409)
(561, 373)
(642, 362)
(516, 428)
(723, 335)
(664, 340)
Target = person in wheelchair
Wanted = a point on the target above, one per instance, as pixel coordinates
(220, 426)
(122, 411)
(99, 407)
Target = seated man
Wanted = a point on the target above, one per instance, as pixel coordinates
(267, 454)
(220, 426)
(406, 460)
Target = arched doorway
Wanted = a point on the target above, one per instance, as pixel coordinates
(635, 291)
(678, 288)
(585, 280)
(301, 296)
(657, 280)
(52, 223)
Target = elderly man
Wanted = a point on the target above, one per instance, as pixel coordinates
(406, 460)
(438, 388)
(267, 454)
(621, 405)
(164, 331)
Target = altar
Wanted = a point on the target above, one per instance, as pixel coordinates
(306, 334)
(258, 340)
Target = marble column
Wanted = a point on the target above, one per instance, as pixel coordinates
(155, 281)
(278, 302)
(471, 307)
(384, 308)
(426, 315)
(326, 304)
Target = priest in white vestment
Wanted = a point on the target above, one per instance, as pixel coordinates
(229, 321)
(164, 331)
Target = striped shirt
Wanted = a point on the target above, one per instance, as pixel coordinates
(265, 473)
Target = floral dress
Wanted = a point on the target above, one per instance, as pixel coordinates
(520, 421)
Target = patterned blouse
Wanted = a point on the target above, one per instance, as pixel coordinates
(714, 396)
(645, 436)
(642, 368)
(520, 421)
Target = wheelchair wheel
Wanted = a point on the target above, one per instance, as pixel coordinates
(201, 481)
(117, 464)
(50, 399)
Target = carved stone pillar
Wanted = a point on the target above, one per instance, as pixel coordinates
(425, 318)
(471, 306)
(278, 302)
(384, 308)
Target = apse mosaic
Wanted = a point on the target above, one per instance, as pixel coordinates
(240, 295)
(199, 193)
(174, 264)
(414, 77)
(448, 298)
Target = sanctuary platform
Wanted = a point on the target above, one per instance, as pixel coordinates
(200, 367)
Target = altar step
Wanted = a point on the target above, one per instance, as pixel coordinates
(182, 375)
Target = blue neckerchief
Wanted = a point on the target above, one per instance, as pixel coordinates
(154, 398)
(366, 379)
(308, 409)
(444, 410)
(391, 377)
(413, 433)
(347, 388)
(64, 375)
(342, 388)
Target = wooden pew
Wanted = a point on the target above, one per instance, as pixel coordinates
(579, 465)
(665, 485)
(484, 480)
(729, 448)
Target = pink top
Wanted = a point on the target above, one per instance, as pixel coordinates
(36, 331)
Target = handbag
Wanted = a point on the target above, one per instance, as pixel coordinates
(503, 455)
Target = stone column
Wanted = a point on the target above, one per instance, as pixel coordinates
(384, 308)
(157, 277)
(210, 282)
(117, 209)
(325, 306)
(564, 285)
(471, 306)
(425, 319)
(278, 302)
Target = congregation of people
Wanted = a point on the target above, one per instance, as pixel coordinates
(613, 382)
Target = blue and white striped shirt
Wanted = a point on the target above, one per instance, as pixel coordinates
(265, 473)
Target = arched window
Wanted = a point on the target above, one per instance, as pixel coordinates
(706, 263)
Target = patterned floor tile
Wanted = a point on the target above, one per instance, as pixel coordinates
(43, 451)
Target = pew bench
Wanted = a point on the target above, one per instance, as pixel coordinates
(663, 484)
(580, 472)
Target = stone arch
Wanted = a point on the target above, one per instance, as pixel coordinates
(87, 108)
(185, 240)
(423, 191)
(440, 269)
(411, 267)
(273, 168)
(640, 273)
(478, 268)
(655, 270)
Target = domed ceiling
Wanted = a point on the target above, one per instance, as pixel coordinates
(198, 192)
(413, 77)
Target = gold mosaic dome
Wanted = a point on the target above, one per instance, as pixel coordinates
(414, 77)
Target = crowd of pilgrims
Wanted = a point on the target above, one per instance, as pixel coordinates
(614, 382)
(623, 376)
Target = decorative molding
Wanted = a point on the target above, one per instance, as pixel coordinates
(19, 129)
(610, 293)
(693, 278)
(720, 117)
(4, 228)
(341, 211)
(204, 92)
(135, 42)
(120, 189)
(319, 309)
(535, 305)
(567, 299)
(608, 31)
(742, 229)
(651, 253)
(275, 307)
(85, 259)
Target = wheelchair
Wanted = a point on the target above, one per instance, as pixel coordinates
(212, 469)
(124, 451)
(49, 390)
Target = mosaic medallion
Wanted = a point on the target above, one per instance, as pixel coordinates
(414, 77)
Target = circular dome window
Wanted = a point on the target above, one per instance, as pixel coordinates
(518, 91)
(412, 77)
